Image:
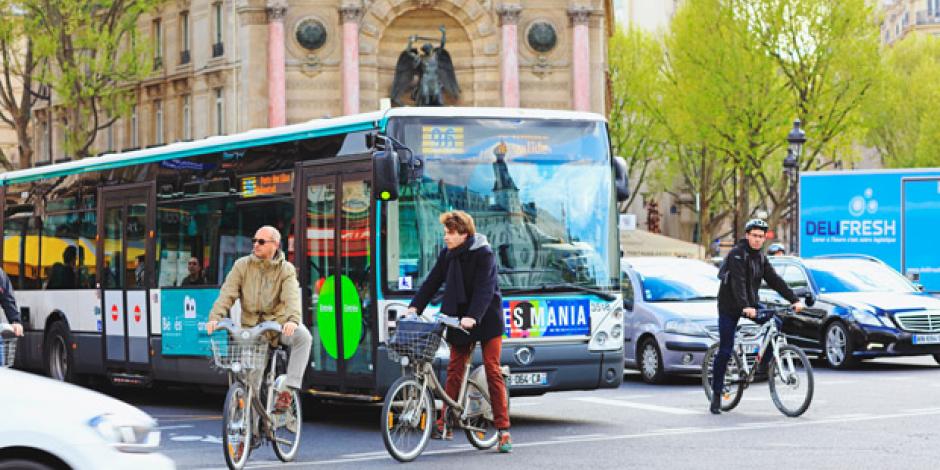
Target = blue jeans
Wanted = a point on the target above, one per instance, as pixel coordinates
(727, 324)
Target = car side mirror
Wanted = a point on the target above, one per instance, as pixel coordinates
(806, 294)
(920, 287)
(628, 305)
(621, 183)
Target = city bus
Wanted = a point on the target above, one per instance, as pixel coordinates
(117, 259)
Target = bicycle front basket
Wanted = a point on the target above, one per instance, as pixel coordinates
(247, 356)
(7, 351)
(416, 340)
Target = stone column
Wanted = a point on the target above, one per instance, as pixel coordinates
(277, 69)
(509, 21)
(349, 16)
(580, 58)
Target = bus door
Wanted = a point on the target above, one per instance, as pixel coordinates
(124, 271)
(334, 234)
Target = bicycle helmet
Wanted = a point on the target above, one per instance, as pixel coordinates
(756, 224)
(775, 248)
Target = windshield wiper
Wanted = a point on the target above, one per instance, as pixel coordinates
(563, 286)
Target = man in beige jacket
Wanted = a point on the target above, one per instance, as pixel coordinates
(266, 284)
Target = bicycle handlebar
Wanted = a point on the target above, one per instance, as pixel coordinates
(248, 334)
(446, 320)
(6, 330)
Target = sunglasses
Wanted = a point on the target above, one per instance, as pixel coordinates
(261, 241)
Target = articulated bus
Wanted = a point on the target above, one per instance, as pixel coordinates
(116, 260)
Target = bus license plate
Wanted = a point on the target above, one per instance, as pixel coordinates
(528, 378)
(926, 339)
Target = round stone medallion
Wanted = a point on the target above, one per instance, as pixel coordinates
(542, 36)
(311, 34)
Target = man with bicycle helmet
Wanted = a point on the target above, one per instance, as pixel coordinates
(776, 249)
(741, 274)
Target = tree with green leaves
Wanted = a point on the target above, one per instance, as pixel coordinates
(92, 53)
(17, 87)
(827, 52)
(637, 135)
(903, 117)
(723, 106)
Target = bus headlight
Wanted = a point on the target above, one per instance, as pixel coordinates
(601, 338)
(616, 331)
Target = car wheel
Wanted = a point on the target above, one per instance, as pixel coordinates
(57, 353)
(20, 464)
(838, 347)
(651, 362)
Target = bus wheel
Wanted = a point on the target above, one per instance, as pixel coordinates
(57, 353)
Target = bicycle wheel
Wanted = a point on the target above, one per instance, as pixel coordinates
(286, 425)
(480, 416)
(407, 417)
(733, 389)
(791, 385)
(236, 426)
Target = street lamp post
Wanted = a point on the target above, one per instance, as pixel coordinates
(791, 167)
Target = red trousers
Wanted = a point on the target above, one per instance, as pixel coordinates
(492, 349)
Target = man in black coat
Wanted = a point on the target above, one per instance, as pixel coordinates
(10, 311)
(741, 274)
(467, 268)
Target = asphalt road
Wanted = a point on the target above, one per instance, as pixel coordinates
(883, 415)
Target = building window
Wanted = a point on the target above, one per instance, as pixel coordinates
(217, 49)
(46, 141)
(219, 109)
(187, 119)
(134, 141)
(158, 122)
(157, 44)
(184, 37)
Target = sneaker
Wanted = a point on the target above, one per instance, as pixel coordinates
(284, 401)
(505, 442)
(442, 431)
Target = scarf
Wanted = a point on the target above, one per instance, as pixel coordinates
(454, 293)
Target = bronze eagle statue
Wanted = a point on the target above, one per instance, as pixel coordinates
(427, 75)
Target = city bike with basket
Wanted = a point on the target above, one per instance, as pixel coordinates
(7, 345)
(789, 372)
(256, 374)
(408, 414)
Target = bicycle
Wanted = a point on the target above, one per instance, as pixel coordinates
(7, 345)
(408, 411)
(789, 371)
(245, 352)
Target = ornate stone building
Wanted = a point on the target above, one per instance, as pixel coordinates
(232, 65)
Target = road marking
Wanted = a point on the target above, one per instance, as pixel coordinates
(838, 382)
(365, 454)
(772, 425)
(924, 410)
(638, 406)
(178, 426)
(579, 436)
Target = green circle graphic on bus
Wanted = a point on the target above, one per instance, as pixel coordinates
(351, 314)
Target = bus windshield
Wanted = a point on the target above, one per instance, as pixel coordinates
(539, 190)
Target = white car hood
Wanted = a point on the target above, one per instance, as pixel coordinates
(22, 390)
(887, 301)
(695, 310)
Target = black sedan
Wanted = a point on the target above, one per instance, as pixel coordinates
(864, 309)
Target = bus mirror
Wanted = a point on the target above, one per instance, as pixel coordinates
(620, 181)
(385, 166)
(413, 167)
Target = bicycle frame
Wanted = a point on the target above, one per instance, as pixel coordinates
(254, 399)
(770, 337)
(428, 379)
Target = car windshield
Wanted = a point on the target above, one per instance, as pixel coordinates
(849, 275)
(678, 281)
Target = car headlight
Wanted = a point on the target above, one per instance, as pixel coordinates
(865, 317)
(684, 327)
(125, 434)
